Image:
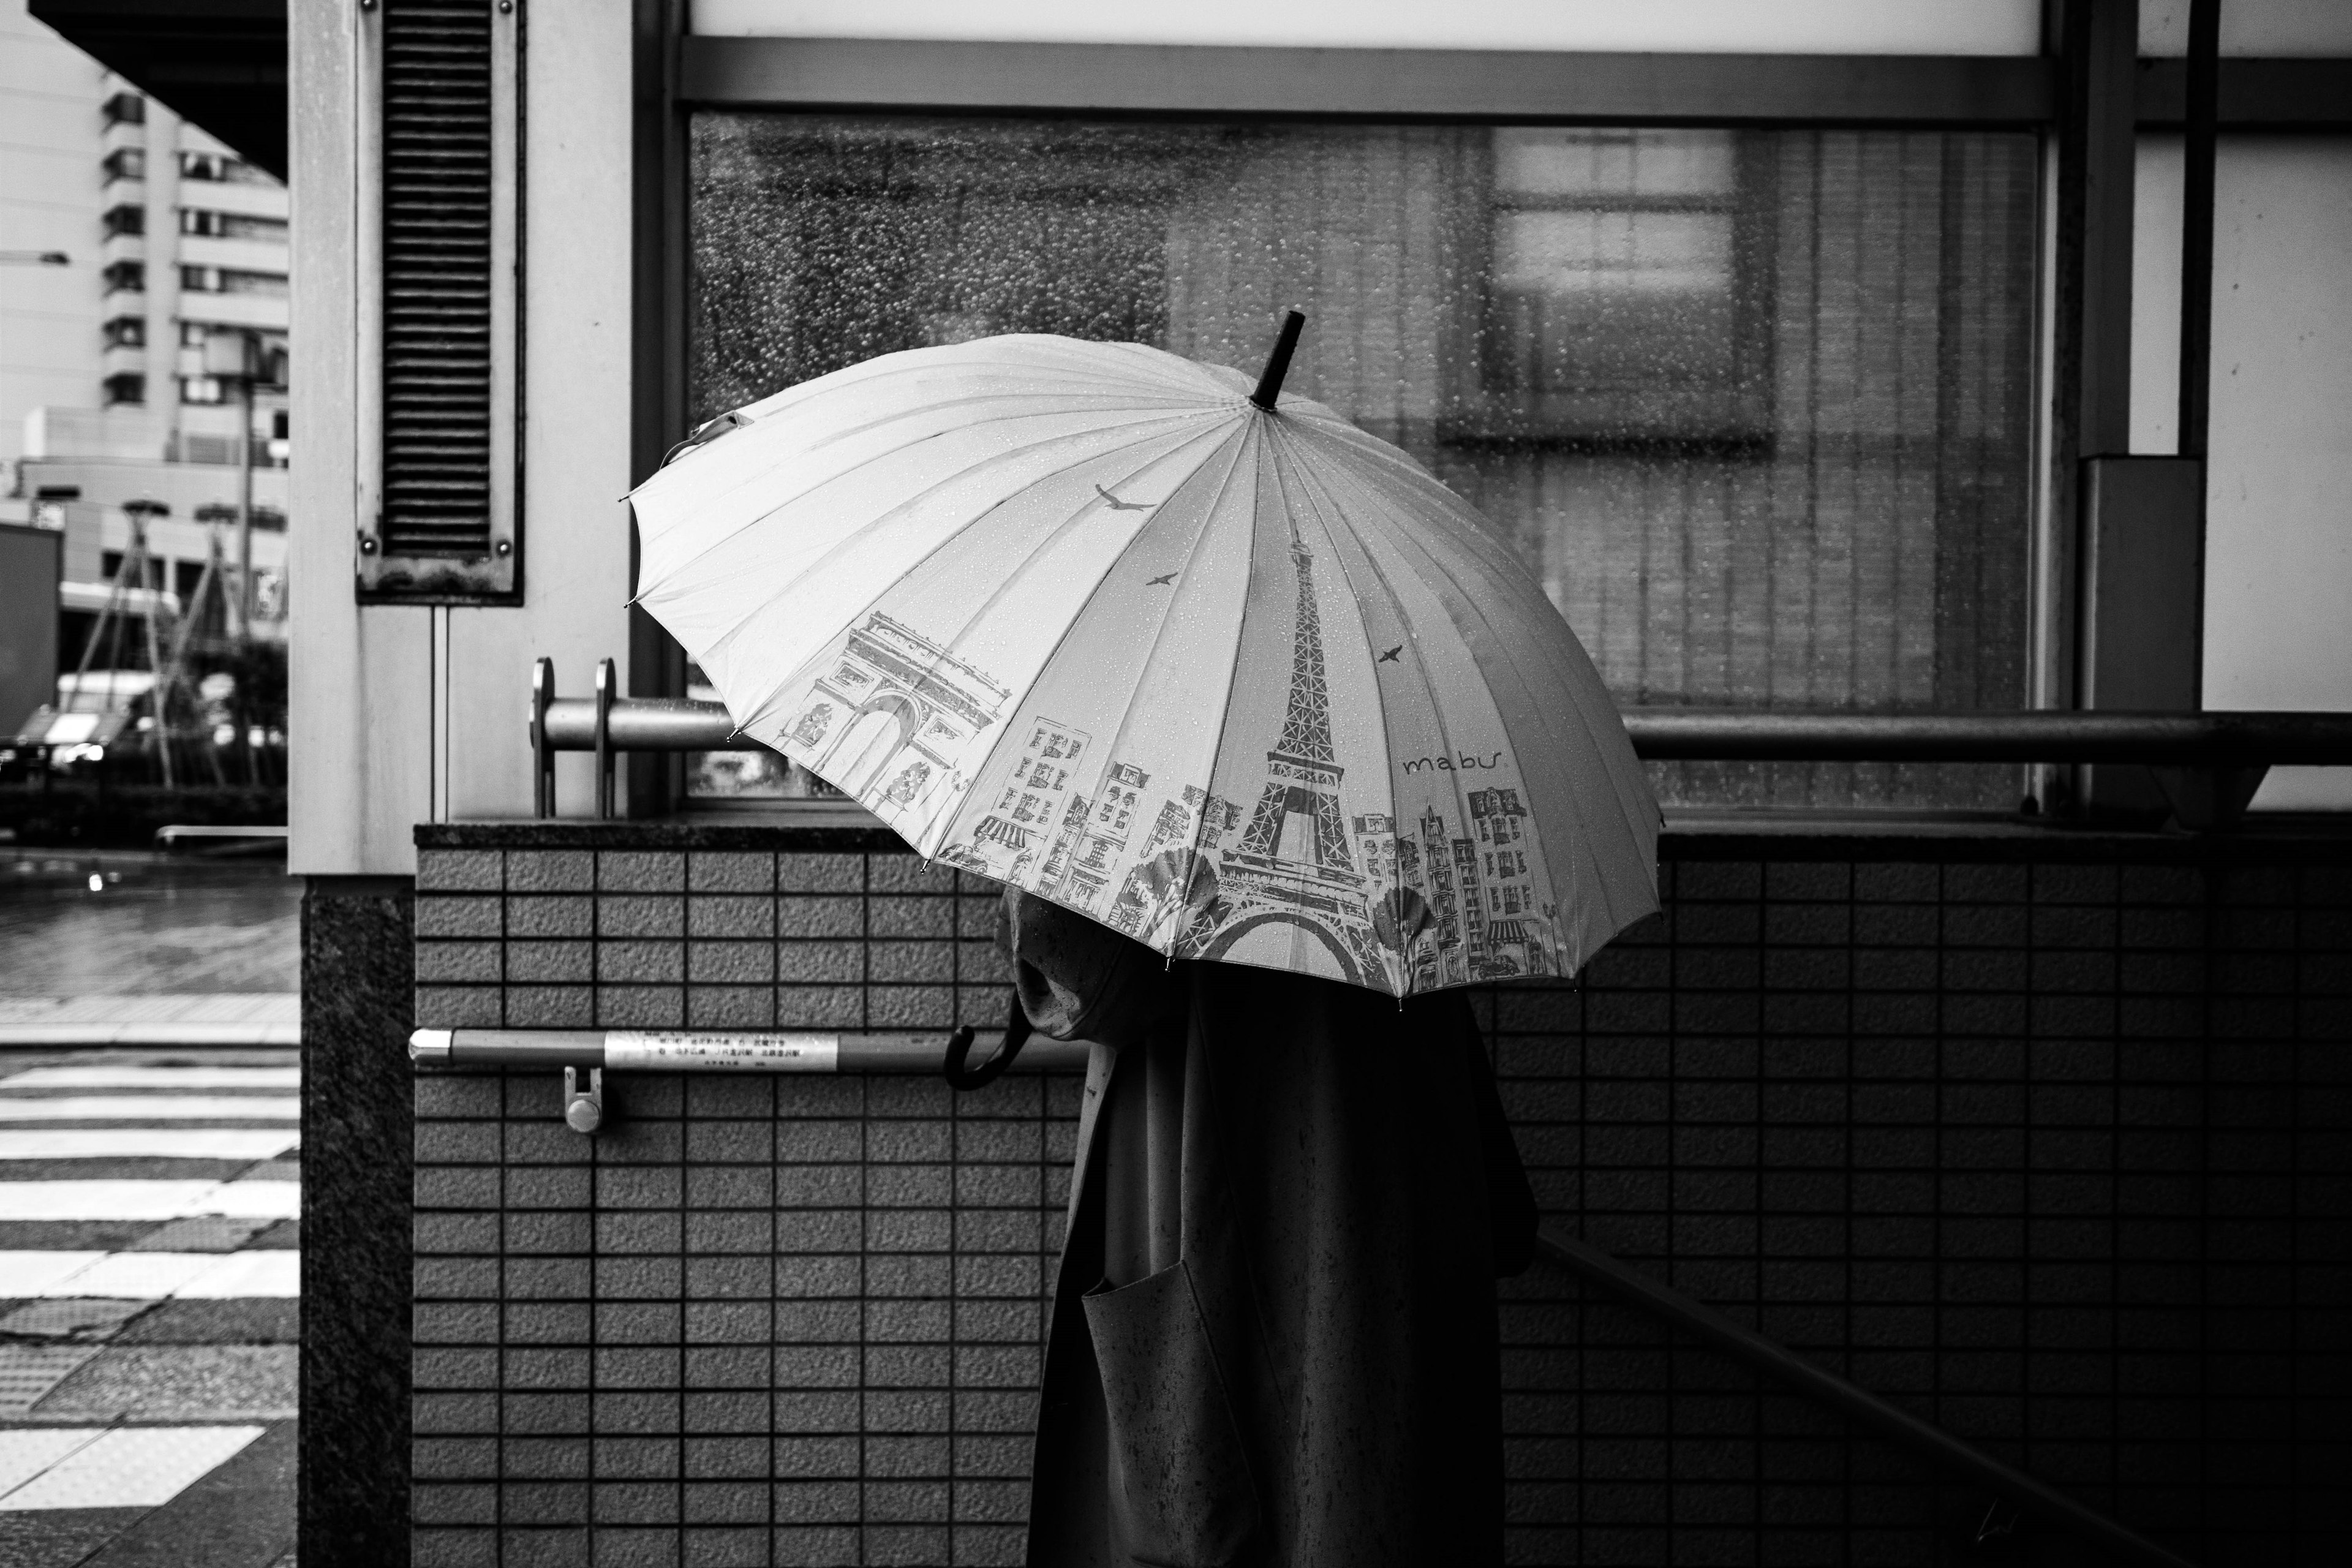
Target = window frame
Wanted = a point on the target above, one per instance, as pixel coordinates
(1193, 82)
(678, 73)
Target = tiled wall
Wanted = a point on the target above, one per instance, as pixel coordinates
(2058, 1154)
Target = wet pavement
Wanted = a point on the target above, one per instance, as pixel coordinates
(149, 1252)
(150, 1308)
(134, 924)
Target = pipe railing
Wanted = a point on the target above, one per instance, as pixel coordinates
(2240, 744)
(595, 1051)
(1923, 1439)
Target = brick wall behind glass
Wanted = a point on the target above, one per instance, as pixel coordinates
(2059, 1156)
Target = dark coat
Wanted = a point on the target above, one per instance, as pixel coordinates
(1273, 1339)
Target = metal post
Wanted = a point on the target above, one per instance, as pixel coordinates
(542, 755)
(2196, 225)
(244, 629)
(2098, 42)
(158, 696)
(604, 694)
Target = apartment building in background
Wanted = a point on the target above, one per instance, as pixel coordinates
(113, 406)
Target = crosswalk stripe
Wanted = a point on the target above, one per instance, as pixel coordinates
(41, 1273)
(146, 1143)
(242, 1275)
(151, 1276)
(153, 1076)
(158, 1200)
(153, 1108)
(25, 1452)
(126, 1467)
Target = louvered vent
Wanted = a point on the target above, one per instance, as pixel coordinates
(439, 533)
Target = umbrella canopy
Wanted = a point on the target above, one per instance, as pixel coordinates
(1241, 681)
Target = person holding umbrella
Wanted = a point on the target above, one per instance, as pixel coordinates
(1273, 747)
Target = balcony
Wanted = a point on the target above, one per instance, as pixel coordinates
(232, 255)
(229, 196)
(262, 310)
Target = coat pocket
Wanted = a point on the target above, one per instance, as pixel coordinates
(1181, 1495)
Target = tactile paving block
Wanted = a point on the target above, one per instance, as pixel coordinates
(28, 1373)
(82, 1320)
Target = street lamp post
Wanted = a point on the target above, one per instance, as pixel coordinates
(236, 355)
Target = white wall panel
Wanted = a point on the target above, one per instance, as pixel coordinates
(2278, 538)
(2258, 27)
(1661, 27)
(575, 398)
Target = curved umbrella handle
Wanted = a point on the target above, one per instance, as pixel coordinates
(1016, 1034)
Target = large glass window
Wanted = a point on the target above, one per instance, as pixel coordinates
(1753, 404)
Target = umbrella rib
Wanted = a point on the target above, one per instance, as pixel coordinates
(1582, 848)
(1420, 666)
(1160, 635)
(1250, 431)
(933, 363)
(1058, 531)
(1310, 484)
(1383, 515)
(847, 542)
(751, 480)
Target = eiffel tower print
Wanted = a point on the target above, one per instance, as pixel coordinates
(1293, 867)
(1298, 818)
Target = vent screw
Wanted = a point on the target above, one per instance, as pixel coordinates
(367, 545)
(506, 547)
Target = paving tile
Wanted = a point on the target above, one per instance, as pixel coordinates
(147, 1153)
(60, 1538)
(130, 1467)
(75, 1235)
(234, 1321)
(81, 1320)
(130, 1275)
(285, 1235)
(204, 1233)
(241, 1274)
(242, 1510)
(136, 1200)
(145, 1075)
(161, 1109)
(177, 1383)
(28, 1373)
(26, 1452)
(33, 1274)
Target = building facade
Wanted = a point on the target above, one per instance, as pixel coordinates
(127, 426)
(1785, 347)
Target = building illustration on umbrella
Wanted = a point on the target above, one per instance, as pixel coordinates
(1199, 875)
(1340, 770)
(894, 713)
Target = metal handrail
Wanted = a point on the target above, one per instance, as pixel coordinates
(2173, 739)
(2243, 741)
(594, 1051)
(1864, 1409)
(716, 1050)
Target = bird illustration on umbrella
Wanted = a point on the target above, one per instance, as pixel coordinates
(896, 575)
(884, 574)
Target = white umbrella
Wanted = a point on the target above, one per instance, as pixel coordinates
(1215, 667)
